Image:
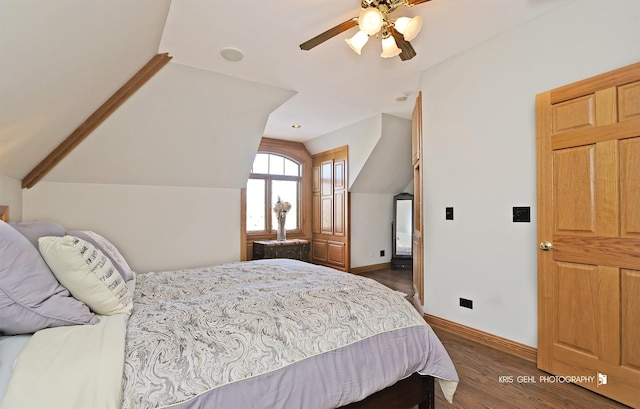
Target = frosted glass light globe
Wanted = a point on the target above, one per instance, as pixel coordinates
(389, 48)
(370, 20)
(409, 27)
(358, 41)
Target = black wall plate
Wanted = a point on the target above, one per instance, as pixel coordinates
(521, 214)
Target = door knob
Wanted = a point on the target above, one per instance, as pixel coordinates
(546, 246)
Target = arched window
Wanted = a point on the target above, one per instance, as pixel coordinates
(272, 176)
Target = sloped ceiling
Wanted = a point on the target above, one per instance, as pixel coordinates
(59, 61)
(388, 168)
(185, 127)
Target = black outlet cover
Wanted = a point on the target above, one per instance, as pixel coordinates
(466, 303)
(521, 214)
(448, 213)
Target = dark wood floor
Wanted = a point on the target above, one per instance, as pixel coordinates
(480, 367)
(399, 280)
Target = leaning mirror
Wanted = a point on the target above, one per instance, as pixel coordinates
(402, 231)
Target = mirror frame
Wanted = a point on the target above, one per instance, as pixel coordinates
(400, 197)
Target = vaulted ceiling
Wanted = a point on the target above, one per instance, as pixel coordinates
(59, 61)
(335, 87)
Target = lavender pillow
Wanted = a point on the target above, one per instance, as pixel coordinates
(30, 296)
(34, 230)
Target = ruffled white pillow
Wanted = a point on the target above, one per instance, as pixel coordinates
(87, 273)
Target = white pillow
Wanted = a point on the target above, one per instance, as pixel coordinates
(107, 248)
(87, 273)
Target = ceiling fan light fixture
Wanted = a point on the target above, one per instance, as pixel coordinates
(389, 47)
(358, 41)
(409, 27)
(370, 20)
(374, 20)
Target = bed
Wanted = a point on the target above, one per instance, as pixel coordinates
(271, 333)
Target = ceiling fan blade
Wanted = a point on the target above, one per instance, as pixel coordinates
(407, 49)
(330, 33)
(415, 2)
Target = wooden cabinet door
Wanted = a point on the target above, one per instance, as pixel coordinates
(339, 197)
(330, 245)
(316, 200)
(416, 130)
(417, 241)
(589, 233)
(326, 197)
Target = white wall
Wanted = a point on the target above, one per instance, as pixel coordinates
(370, 228)
(387, 168)
(155, 227)
(11, 195)
(479, 157)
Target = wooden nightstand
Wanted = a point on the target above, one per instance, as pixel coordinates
(295, 249)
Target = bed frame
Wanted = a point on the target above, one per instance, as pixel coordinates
(405, 394)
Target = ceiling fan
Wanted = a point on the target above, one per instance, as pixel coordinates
(374, 19)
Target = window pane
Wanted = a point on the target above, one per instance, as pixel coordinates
(276, 165)
(255, 205)
(261, 163)
(288, 192)
(291, 168)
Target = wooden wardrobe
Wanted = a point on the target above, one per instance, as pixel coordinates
(330, 198)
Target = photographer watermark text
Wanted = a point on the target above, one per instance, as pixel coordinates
(600, 379)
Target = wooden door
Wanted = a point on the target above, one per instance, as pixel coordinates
(417, 244)
(589, 232)
(330, 231)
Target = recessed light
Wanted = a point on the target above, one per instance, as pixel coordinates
(402, 97)
(231, 54)
(296, 126)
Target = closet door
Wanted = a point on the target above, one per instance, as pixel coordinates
(331, 209)
(589, 233)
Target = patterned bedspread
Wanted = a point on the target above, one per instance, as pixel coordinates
(193, 331)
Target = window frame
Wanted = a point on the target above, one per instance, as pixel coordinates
(268, 178)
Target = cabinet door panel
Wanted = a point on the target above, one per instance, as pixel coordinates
(335, 253)
(320, 250)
